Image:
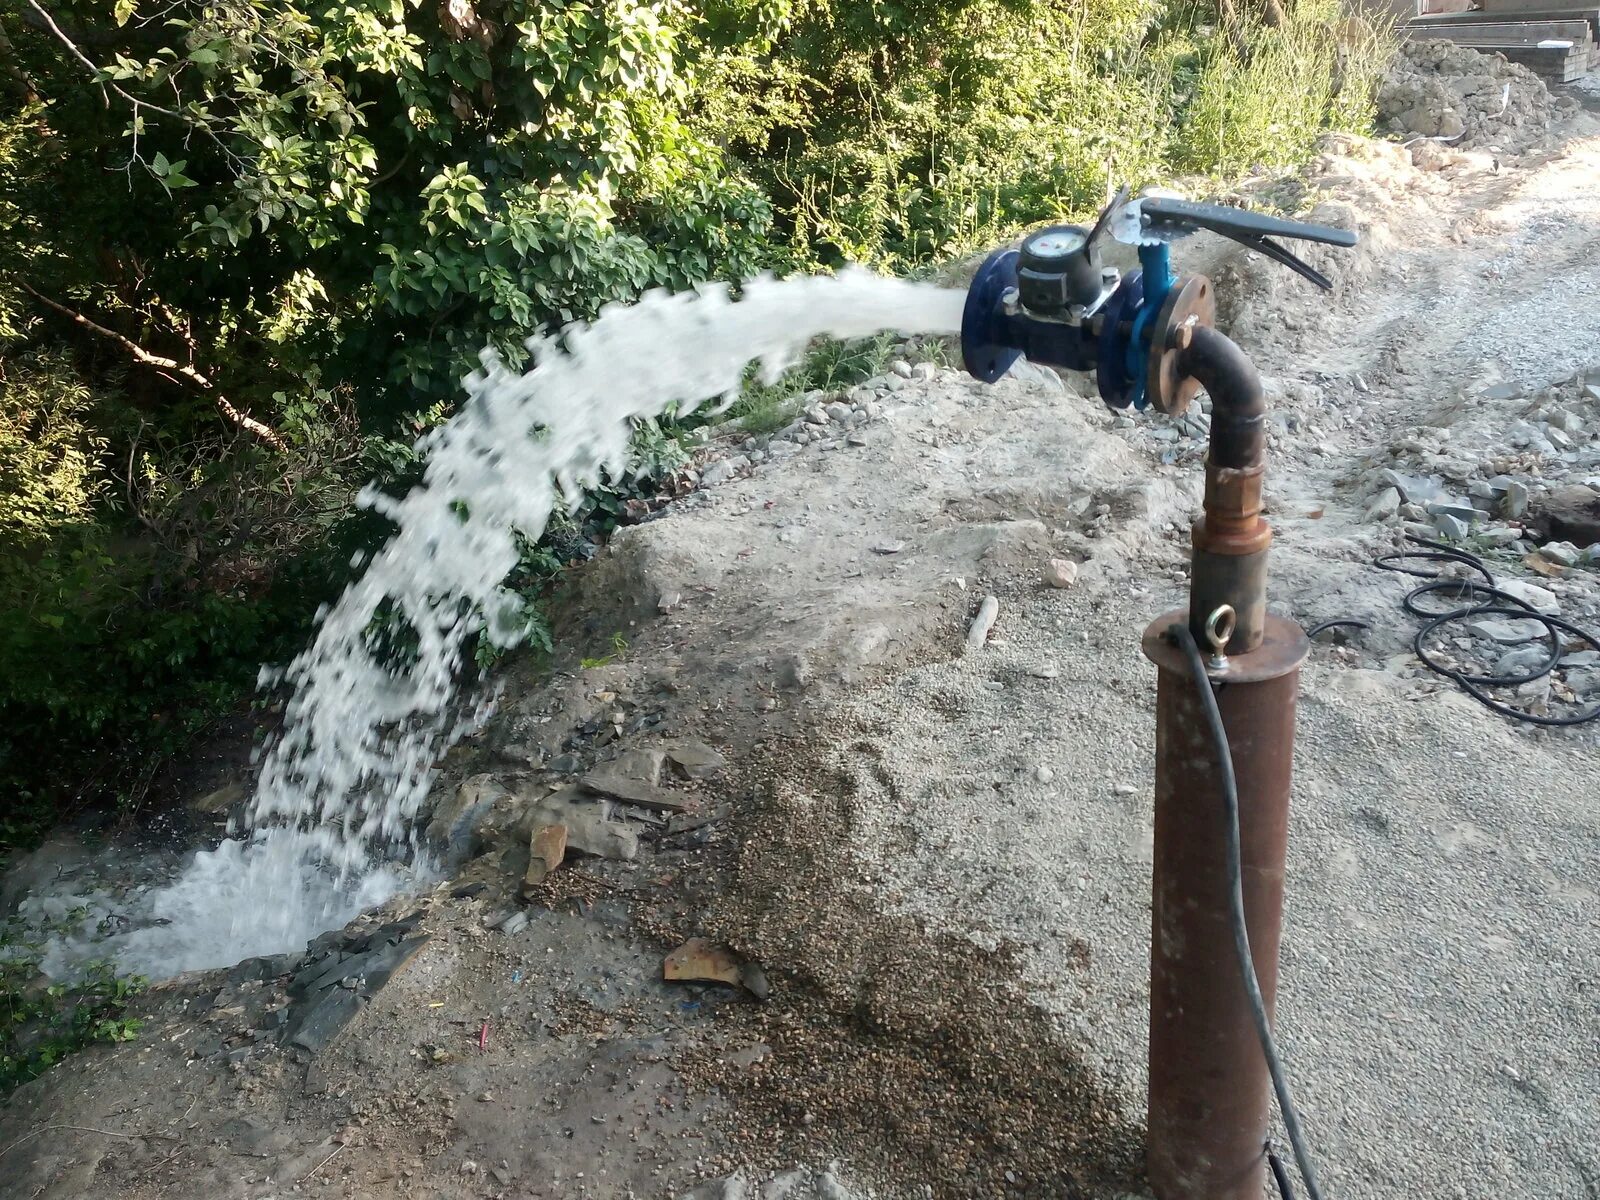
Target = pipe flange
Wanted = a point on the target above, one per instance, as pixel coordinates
(1192, 303)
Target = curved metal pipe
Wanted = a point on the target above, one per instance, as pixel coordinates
(1238, 404)
(1230, 540)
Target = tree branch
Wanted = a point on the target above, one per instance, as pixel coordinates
(168, 367)
(174, 114)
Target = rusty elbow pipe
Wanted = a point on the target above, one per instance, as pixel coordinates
(1231, 538)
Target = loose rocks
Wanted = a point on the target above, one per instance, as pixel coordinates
(1438, 89)
(978, 631)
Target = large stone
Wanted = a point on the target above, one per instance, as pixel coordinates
(1563, 554)
(723, 470)
(221, 800)
(546, 849)
(1515, 504)
(261, 969)
(1508, 631)
(1584, 684)
(317, 1022)
(633, 777)
(1060, 573)
(589, 830)
(1535, 597)
(694, 759)
(643, 796)
(450, 828)
(631, 766)
(1415, 489)
(1455, 508)
(326, 995)
(701, 961)
(1522, 661)
(1569, 514)
(1384, 505)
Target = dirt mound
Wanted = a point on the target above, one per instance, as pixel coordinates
(1438, 89)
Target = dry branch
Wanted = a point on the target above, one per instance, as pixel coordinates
(168, 367)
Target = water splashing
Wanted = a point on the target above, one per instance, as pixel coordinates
(339, 789)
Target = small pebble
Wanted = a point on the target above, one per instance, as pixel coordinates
(1060, 573)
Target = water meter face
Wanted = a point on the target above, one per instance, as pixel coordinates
(1058, 269)
(1056, 243)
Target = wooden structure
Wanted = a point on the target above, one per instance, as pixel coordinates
(1559, 41)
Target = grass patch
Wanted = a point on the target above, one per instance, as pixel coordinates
(830, 367)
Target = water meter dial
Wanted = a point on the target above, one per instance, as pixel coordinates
(1059, 269)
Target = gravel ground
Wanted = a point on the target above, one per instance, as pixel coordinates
(1439, 1004)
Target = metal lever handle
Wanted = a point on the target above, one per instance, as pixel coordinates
(1251, 230)
(1236, 223)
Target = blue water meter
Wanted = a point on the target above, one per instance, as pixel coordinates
(1052, 301)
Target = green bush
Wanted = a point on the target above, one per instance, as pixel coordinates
(143, 593)
(43, 1022)
(898, 133)
(51, 455)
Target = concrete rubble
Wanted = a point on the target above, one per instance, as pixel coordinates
(1464, 98)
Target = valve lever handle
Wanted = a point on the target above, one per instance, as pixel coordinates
(1251, 230)
(1237, 223)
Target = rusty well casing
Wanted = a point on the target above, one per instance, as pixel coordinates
(1209, 1086)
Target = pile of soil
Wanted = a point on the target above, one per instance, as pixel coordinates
(1439, 89)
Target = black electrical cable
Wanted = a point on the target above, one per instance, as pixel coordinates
(1241, 934)
(1478, 600)
(1340, 623)
(1279, 1175)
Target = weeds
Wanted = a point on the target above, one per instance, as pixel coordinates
(829, 366)
(41, 1023)
(1268, 104)
(619, 649)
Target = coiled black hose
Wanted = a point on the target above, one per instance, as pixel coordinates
(1481, 600)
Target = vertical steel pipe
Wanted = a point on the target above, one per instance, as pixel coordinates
(1231, 538)
(1209, 1086)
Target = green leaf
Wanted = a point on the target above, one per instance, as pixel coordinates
(124, 11)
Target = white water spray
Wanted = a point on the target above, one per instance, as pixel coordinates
(356, 757)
